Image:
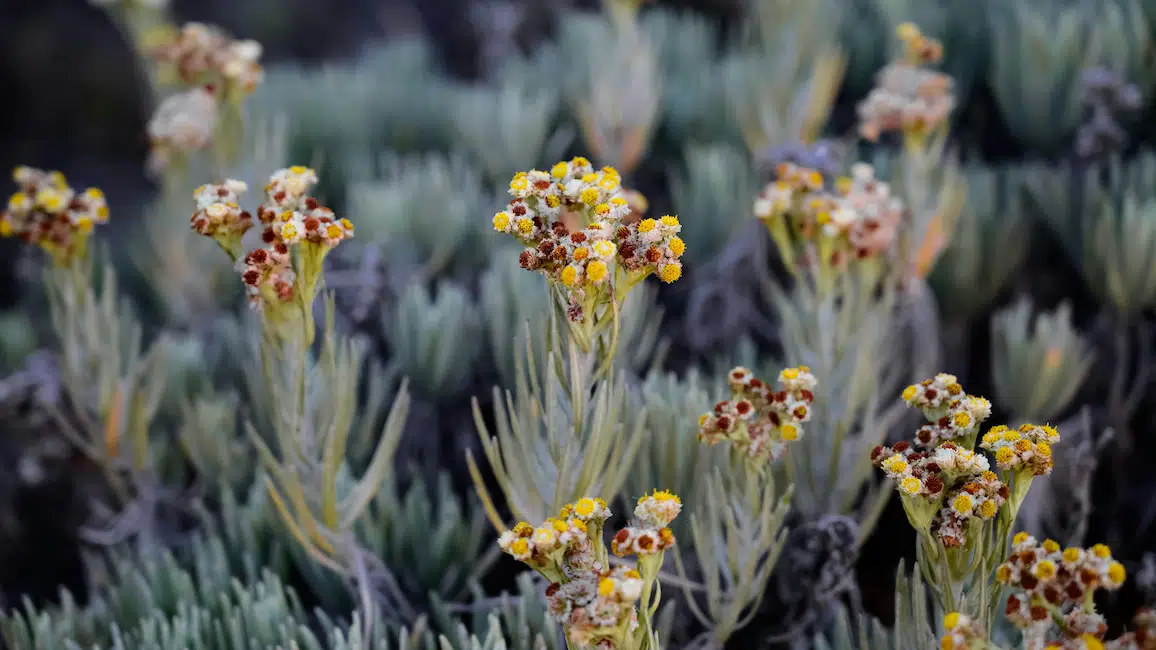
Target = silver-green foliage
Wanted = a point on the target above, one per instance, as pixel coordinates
(1120, 238)
(989, 245)
(511, 299)
(1037, 367)
(713, 197)
(511, 123)
(912, 628)
(435, 338)
(422, 209)
(1039, 50)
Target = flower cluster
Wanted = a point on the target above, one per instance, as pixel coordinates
(758, 420)
(599, 256)
(1054, 588)
(943, 490)
(951, 414)
(649, 533)
(1143, 637)
(182, 123)
(595, 604)
(46, 212)
(298, 233)
(961, 632)
(219, 215)
(858, 218)
(201, 54)
(908, 97)
(1026, 449)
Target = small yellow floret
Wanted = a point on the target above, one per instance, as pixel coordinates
(1004, 455)
(962, 504)
(501, 221)
(1116, 573)
(569, 275)
(911, 485)
(1101, 551)
(790, 432)
(1020, 538)
(606, 587)
(584, 507)
(951, 620)
(646, 225)
(1051, 545)
(559, 170)
(525, 226)
(596, 271)
(589, 196)
(1044, 569)
(520, 546)
(670, 221)
(677, 246)
(909, 393)
(670, 272)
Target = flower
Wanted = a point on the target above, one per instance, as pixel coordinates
(571, 221)
(182, 123)
(201, 54)
(908, 96)
(757, 420)
(47, 212)
(1023, 450)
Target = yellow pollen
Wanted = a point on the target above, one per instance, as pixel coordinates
(646, 225)
(909, 393)
(670, 272)
(596, 271)
(677, 246)
(569, 275)
(606, 587)
(790, 432)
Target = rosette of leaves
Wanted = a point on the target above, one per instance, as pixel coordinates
(511, 123)
(782, 88)
(1119, 237)
(434, 338)
(511, 299)
(1039, 361)
(736, 535)
(694, 105)
(613, 82)
(208, 440)
(336, 109)
(195, 603)
(713, 195)
(557, 435)
(966, 277)
(861, 631)
(1039, 50)
(522, 615)
(422, 209)
(673, 457)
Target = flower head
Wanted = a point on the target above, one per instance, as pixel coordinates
(758, 420)
(47, 212)
(202, 54)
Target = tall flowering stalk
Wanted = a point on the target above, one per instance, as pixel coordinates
(962, 492)
(599, 606)
(572, 222)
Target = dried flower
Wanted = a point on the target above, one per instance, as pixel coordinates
(961, 632)
(907, 96)
(282, 277)
(816, 225)
(597, 606)
(951, 413)
(183, 123)
(757, 420)
(201, 54)
(1054, 588)
(47, 212)
(595, 264)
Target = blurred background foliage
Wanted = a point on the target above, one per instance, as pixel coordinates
(415, 114)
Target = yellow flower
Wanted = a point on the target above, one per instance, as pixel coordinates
(1003, 574)
(560, 170)
(1043, 449)
(50, 199)
(909, 393)
(951, 620)
(606, 587)
(911, 485)
(1116, 573)
(987, 509)
(646, 225)
(790, 432)
(1020, 538)
(579, 161)
(5, 228)
(662, 495)
(1051, 545)
(677, 246)
(907, 31)
(525, 226)
(569, 275)
(596, 271)
(1010, 435)
(520, 546)
(669, 221)
(553, 201)
(962, 504)
(523, 529)
(604, 248)
(1044, 569)
(1101, 551)
(1004, 455)
(519, 184)
(1091, 642)
(589, 196)
(670, 272)
(581, 253)
(289, 231)
(584, 507)
(1072, 554)
(501, 221)
(988, 476)
(962, 419)
(790, 373)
